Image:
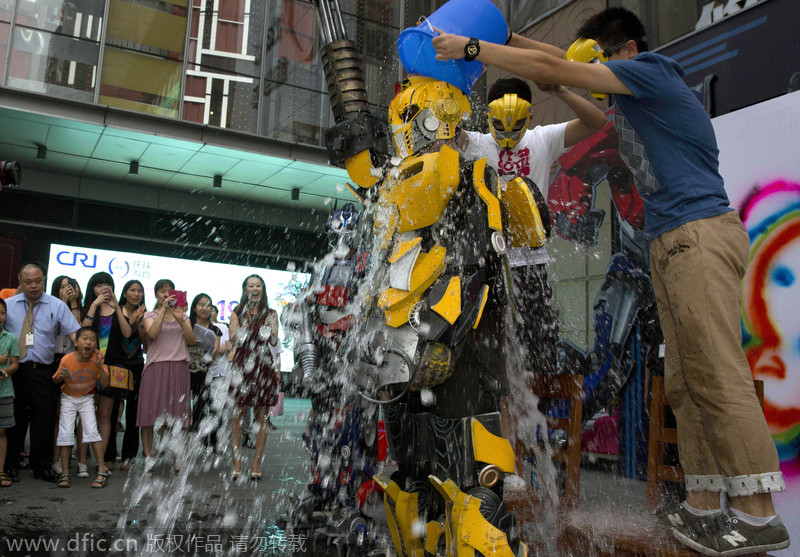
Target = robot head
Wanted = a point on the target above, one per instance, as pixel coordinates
(508, 119)
(587, 50)
(425, 110)
(342, 223)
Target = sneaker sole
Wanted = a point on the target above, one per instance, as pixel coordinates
(732, 552)
(689, 542)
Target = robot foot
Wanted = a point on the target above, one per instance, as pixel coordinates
(476, 524)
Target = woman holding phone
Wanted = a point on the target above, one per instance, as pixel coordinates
(132, 302)
(254, 333)
(165, 382)
(103, 313)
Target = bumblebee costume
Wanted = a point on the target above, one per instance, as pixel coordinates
(434, 300)
(434, 338)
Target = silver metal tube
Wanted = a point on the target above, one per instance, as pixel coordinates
(326, 38)
(326, 19)
(337, 12)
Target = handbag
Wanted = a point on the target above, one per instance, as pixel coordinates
(120, 382)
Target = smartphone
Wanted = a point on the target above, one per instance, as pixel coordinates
(180, 298)
(73, 283)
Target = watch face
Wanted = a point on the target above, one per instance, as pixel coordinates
(472, 50)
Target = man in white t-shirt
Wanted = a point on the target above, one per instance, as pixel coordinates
(513, 151)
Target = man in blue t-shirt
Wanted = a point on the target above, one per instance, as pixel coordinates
(698, 254)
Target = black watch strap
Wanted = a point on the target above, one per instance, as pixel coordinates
(472, 49)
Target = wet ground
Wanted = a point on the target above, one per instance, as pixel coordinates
(208, 513)
(213, 513)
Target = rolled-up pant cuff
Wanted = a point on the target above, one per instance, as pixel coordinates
(752, 484)
(705, 483)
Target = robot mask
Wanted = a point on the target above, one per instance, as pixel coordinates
(508, 119)
(425, 110)
(341, 224)
(587, 50)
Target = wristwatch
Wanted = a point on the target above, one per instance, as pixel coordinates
(472, 49)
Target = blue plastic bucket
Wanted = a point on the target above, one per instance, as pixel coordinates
(470, 18)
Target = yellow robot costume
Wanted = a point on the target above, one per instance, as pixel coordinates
(433, 304)
(433, 342)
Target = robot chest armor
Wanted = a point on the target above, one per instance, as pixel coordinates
(418, 193)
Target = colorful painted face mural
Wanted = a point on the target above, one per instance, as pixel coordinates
(771, 308)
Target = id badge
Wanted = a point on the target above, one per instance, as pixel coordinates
(29, 340)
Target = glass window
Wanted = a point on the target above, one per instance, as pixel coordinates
(225, 100)
(76, 18)
(5, 10)
(294, 114)
(140, 82)
(223, 73)
(5, 29)
(52, 64)
(292, 56)
(148, 26)
(143, 56)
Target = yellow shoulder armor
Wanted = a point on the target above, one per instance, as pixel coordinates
(527, 224)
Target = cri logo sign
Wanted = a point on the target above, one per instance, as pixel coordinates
(72, 259)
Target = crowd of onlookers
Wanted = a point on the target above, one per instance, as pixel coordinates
(101, 355)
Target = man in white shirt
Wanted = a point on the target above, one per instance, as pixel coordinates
(514, 151)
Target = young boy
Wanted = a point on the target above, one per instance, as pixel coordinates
(80, 372)
(9, 363)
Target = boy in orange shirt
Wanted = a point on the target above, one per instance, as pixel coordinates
(79, 372)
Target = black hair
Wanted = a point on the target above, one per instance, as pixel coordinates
(55, 289)
(98, 278)
(509, 86)
(84, 329)
(193, 311)
(161, 283)
(3, 303)
(123, 298)
(42, 267)
(263, 303)
(613, 26)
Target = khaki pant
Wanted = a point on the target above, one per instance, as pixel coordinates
(697, 270)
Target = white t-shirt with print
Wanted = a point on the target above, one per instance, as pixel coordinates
(532, 157)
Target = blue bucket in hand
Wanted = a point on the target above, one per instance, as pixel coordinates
(470, 18)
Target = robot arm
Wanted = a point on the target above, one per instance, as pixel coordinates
(360, 140)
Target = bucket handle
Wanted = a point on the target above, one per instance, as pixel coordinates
(424, 19)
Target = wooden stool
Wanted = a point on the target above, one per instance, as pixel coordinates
(569, 388)
(657, 471)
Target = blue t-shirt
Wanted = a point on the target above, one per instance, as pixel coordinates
(667, 141)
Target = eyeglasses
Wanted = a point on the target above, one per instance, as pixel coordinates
(609, 52)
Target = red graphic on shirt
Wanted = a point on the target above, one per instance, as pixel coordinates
(515, 162)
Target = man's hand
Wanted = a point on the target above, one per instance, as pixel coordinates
(3, 375)
(449, 47)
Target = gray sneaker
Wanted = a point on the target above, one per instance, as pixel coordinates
(724, 535)
(743, 538)
(698, 532)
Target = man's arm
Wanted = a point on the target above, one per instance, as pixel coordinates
(589, 118)
(518, 41)
(535, 65)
